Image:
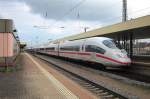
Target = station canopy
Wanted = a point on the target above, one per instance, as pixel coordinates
(139, 26)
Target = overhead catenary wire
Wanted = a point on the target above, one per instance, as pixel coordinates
(78, 16)
(112, 18)
(78, 5)
(59, 19)
(69, 11)
(140, 10)
(116, 17)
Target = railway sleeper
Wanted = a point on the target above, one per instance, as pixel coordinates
(103, 94)
(85, 85)
(91, 87)
(95, 89)
(98, 91)
(108, 96)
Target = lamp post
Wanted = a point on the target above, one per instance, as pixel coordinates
(85, 29)
(124, 11)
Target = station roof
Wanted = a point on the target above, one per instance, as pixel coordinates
(119, 27)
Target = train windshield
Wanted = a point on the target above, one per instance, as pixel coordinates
(118, 45)
(111, 44)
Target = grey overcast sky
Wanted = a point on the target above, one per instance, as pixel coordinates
(38, 21)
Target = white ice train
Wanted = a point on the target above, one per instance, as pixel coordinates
(96, 49)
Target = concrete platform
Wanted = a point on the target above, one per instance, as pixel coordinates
(141, 60)
(141, 63)
(32, 81)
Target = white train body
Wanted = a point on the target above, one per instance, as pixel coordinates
(96, 49)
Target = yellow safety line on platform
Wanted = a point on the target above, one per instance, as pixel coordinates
(58, 85)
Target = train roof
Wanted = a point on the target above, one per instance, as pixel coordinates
(91, 38)
(99, 38)
(81, 41)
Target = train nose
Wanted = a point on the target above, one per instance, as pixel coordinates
(125, 60)
(122, 58)
(128, 60)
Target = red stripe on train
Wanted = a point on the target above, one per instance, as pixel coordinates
(69, 52)
(80, 53)
(113, 60)
(98, 55)
(84, 53)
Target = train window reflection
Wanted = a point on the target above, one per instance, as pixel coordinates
(93, 48)
(110, 44)
(50, 48)
(118, 45)
(70, 48)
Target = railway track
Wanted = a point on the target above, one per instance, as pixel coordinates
(97, 89)
(135, 72)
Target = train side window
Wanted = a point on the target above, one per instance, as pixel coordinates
(76, 48)
(62, 48)
(93, 48)
(50, 48)
(66, 48)
(70, 48)
(41, 48)
(109, 44)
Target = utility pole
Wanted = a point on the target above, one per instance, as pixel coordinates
(124, 11)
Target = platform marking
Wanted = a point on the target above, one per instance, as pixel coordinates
(58, 85)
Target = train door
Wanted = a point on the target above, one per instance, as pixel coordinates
(58, 49)
(83, 54)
